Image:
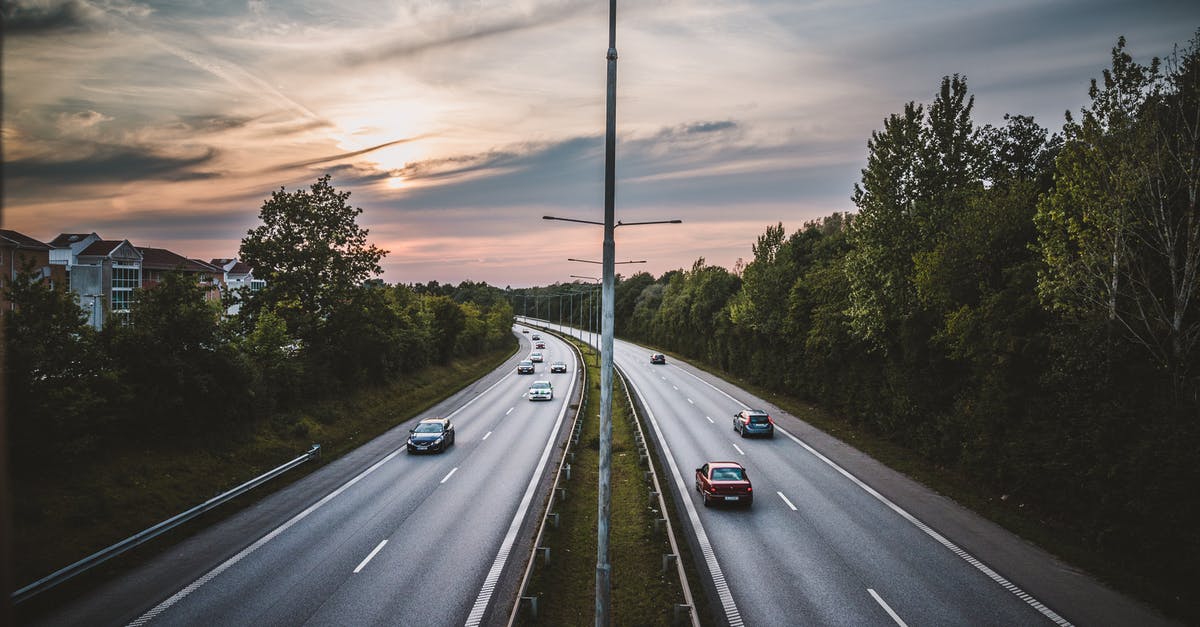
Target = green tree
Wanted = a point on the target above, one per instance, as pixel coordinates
(53, 372)
(1120, 231)
(182, 376)
(920, 172)
(312, 254)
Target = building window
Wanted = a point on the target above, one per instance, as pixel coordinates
(124, 280)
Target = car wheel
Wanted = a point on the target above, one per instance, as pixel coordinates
(743, 433)
(704, 497)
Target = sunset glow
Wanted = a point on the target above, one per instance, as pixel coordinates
(462, 123)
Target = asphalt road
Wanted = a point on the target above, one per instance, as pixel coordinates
(380, 537)
(834, 538)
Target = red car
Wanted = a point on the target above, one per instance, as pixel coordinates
(540, 345)
(724, 482)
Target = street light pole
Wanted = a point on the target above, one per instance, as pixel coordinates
(603, 567)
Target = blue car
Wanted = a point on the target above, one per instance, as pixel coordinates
(754, 422)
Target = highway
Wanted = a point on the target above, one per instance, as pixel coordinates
(379, 537)
(833, 537)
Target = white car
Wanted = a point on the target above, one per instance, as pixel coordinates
(541, 391)
(536, 357)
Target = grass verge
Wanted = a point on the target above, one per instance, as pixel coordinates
(642, 593)
(61, 517)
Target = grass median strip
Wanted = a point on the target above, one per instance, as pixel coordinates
(643, 592)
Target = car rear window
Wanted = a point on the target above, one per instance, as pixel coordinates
(758, 419)
(727, 474)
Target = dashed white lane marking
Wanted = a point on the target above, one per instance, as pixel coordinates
(229, 563)
(368, 558)
(485, 436)
(452, 471)
(493, 576)
(691, 401)
(676, 387)
(510, 409)
(887, 608)
(739, 449)
(710, 419)
(785, 500)
(966, 557)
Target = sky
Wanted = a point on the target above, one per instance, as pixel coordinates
(457, 124)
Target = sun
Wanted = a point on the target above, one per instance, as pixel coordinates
(395, 182)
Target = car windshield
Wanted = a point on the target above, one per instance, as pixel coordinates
(727, 474)
(527, 363)
(541, 385)
(428, 427)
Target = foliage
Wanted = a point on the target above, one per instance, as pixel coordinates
(1120, 231)
(1011, 304)
(312, 254)
(52, 375)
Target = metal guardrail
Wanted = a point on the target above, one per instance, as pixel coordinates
(554, 488)
(689, 600)
(141, 537)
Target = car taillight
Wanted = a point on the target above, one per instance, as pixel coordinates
(749, 488)
(770, 421)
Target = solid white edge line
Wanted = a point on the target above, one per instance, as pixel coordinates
(887, 608)
(732, 615)
(229, 563)
(452, 471)
(485, 436)
(368, 558)
(493, 576)
(785, 500)
(739, 449)
(966, 557)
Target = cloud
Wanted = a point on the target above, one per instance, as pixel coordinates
(110, 163)
(451, 30)
(28, 18)
(338, 157)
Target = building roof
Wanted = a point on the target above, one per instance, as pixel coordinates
(100, 248)
(232, 266)
(64, 240)
(205, 266)
(20, 240)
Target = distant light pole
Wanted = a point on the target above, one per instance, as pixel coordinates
(604, 493)
(590, 326)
